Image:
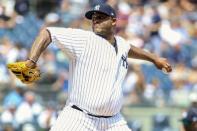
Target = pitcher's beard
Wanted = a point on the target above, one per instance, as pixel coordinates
(100, 32)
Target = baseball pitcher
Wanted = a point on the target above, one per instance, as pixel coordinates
(98, 65)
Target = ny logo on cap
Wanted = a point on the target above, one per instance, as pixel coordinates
(97, 7)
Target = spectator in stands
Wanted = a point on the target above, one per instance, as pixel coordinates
(155, 41)
(6, 21)
(153, 93)
(65, 14)
(28, 110)
(22, 6)
(8, 117)
(193, 98)
(189, 119)
(15, 97)
(48, 116)
(94, 2)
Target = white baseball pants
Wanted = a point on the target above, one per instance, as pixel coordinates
(73, 120)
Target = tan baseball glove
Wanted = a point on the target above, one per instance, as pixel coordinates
(22, 72)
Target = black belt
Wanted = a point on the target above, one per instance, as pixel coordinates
(77, 108)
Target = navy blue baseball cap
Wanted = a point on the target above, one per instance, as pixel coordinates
(101, 8)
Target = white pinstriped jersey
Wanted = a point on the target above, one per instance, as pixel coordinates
(96, 70)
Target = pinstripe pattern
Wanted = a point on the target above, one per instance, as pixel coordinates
(96, 73)
(74, 120)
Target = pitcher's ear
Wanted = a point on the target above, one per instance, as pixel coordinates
(114, 21)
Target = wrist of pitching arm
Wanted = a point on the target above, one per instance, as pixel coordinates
(40, 44)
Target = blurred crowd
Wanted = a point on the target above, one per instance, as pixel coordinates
(167, 28)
